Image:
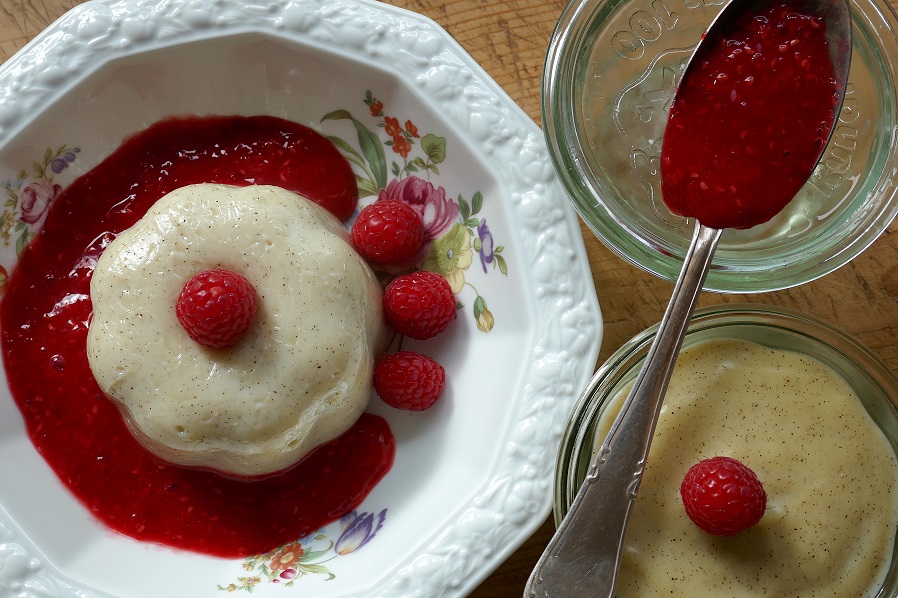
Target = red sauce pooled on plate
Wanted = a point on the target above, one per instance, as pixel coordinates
(81, 434)
(750, 120)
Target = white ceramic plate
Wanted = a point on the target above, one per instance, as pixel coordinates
(472, 477)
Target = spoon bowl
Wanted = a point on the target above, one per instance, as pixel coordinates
(584, 555)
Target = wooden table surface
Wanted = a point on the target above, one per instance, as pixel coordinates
(509, 39)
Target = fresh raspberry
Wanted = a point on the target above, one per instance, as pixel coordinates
(408, 380)
(420, 304)
(722, 496)
(388, 232)
(216, 308)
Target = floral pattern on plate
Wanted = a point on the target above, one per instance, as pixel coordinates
(28, 198)
(29, 195)
(287, 563)
(454, 229)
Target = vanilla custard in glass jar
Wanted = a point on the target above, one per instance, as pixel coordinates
(812, 417)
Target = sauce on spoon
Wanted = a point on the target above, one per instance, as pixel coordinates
(751, 118)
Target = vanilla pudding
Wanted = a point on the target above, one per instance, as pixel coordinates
(828, 470)
(301, 375)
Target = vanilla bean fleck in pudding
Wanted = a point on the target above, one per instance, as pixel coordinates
(828, 470)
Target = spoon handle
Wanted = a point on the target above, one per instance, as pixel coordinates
(583, 557)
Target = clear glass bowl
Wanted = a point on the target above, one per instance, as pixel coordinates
(774, 327)
(611, 71)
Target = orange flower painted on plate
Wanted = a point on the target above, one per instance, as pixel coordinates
(392, 127)
(376, 108)
(401, 146)
(411, 128)
(286, 557)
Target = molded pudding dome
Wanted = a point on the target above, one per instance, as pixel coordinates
(301, 375)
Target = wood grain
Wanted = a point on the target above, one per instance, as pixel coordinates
(509, 39)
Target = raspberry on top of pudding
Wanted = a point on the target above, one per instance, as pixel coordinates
(299, 377)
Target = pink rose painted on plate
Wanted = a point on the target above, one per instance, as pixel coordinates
(29, 195)
(35, 199)
(437, 212)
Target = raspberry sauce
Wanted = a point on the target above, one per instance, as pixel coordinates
(750, 119)
(81, 434)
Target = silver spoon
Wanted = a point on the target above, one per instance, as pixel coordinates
(583, 557)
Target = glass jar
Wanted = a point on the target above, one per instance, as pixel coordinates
(611, 72)
(774, 327)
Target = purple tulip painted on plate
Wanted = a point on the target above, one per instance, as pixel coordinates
(487, 246)
(358, 529)
(59, 163)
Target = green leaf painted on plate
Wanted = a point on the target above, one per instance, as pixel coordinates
(370, 145)
(476, 203)
(434, 147)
